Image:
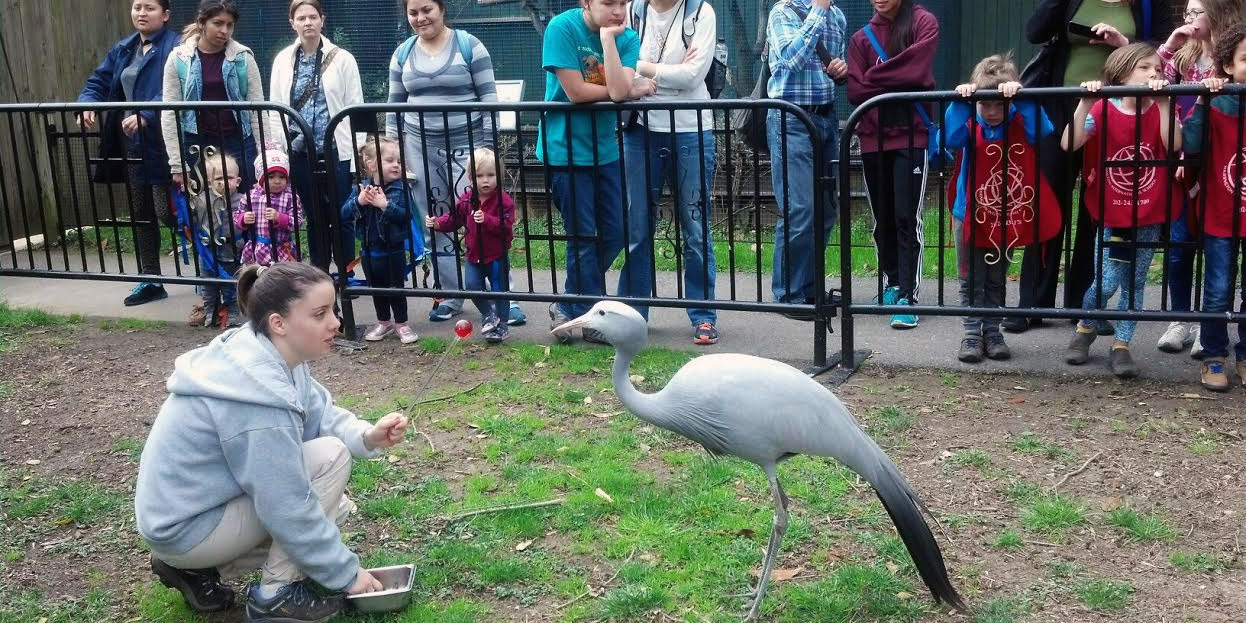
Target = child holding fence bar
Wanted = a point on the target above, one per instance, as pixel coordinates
(213, 200)
(1000, 191)
(270, 213)
(486, 213)
(1216, 131)
(380, 207)
(1129, 201)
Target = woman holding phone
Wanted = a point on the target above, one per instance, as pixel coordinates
(1079, 35)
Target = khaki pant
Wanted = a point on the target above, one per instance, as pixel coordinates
(239, 542)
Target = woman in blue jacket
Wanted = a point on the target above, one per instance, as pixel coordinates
(133, 71)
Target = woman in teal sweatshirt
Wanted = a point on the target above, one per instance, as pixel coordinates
(248, 460)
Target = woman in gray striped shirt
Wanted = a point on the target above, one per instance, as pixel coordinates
(440, 65)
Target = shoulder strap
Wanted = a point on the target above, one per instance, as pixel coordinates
(823, 55)
(240, 66)
(404, 51)
(465, 47)
(639, 10)
(692, 9)
(1146, 20)
(878, 48)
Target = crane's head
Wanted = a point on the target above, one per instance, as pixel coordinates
(623, 327)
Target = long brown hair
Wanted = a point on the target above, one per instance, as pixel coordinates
(1220, 14)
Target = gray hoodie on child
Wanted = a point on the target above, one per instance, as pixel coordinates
(233, 425)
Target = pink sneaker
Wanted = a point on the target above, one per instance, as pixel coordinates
(379, 331)
(406, 334)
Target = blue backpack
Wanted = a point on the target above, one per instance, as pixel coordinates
(460, 39)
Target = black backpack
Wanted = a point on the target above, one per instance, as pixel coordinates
(716, 79)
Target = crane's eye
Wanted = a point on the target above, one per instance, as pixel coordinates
(601, 312)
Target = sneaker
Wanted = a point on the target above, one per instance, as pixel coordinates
(379, 331)
(406, 334)
(996, 348)
(443, 312)
(556, 318)
(970, 349)
(594, 336)
(1176, 337)
(201, 588)
(890, 296)
(196, 316)
(1079, 348)
(903, 321)
(1121, 362)
(488, 324)
(295, 602)
(515, 316)
(145, 293)
(1214, 376)
(235, 317)
(498, 334)
(705, 334)
(1196, 349)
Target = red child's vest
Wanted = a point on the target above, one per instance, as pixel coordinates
(1158, 199)
(1028, 214)
(1226, 163)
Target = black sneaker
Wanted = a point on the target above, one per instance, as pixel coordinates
(145, 293)
(996, 348)
(970, 349)
(1019, 324)
(295, 602)
(201, 588)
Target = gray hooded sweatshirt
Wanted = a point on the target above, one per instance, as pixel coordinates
(233, 425)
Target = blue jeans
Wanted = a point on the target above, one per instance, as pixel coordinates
(590, 200)
(1115, 273)
(685, 160)
(794, 278)
(497, 273)
(1221, 275)
(1180, 263)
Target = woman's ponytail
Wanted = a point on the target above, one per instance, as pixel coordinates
(267, 290)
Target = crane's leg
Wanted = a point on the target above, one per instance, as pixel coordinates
(776, 539)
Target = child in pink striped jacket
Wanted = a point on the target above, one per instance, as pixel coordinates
(269, 214)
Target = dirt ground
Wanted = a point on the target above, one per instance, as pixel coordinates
(74, 399)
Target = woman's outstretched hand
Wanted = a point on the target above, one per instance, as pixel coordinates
(388, 431)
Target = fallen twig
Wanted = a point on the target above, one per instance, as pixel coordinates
(1043, 543)
(498, 509)
(603, 585)
(431, 447)
(1076, 471)
(449, 396)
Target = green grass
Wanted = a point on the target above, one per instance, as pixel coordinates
(1053, 514)
(1104, 594)
(1009, 540)
(1199, 562)
(891, 420)
(1141, 528)
(975, 459)
(131, 324)
(1029, 443)
(1001, 610)
(132, 449)
(31, 607)
(78, 503)
(15, 322)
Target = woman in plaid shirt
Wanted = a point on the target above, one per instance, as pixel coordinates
(270, 213)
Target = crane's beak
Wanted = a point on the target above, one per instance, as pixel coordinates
(572, 324)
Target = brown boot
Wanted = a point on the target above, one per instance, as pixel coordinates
(1214, 376)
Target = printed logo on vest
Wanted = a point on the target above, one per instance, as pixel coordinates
(1122, 179)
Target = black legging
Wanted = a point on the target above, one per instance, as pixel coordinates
(1040, 268)
(387, 270)
(148, 202)
(896, 180)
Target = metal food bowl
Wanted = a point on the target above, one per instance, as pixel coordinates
(395, 594)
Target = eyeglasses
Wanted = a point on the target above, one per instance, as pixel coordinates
(1194, 13)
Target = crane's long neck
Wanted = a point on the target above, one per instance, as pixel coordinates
(644, 406)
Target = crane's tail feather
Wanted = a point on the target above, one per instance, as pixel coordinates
(906, 513)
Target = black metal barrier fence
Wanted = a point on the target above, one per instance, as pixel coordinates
(84, 185)
(682, 205)
(1123, 188)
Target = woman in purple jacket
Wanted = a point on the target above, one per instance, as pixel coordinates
(895, 52)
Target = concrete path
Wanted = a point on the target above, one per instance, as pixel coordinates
(933, 344)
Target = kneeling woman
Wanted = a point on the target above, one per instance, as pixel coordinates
(247, 463)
